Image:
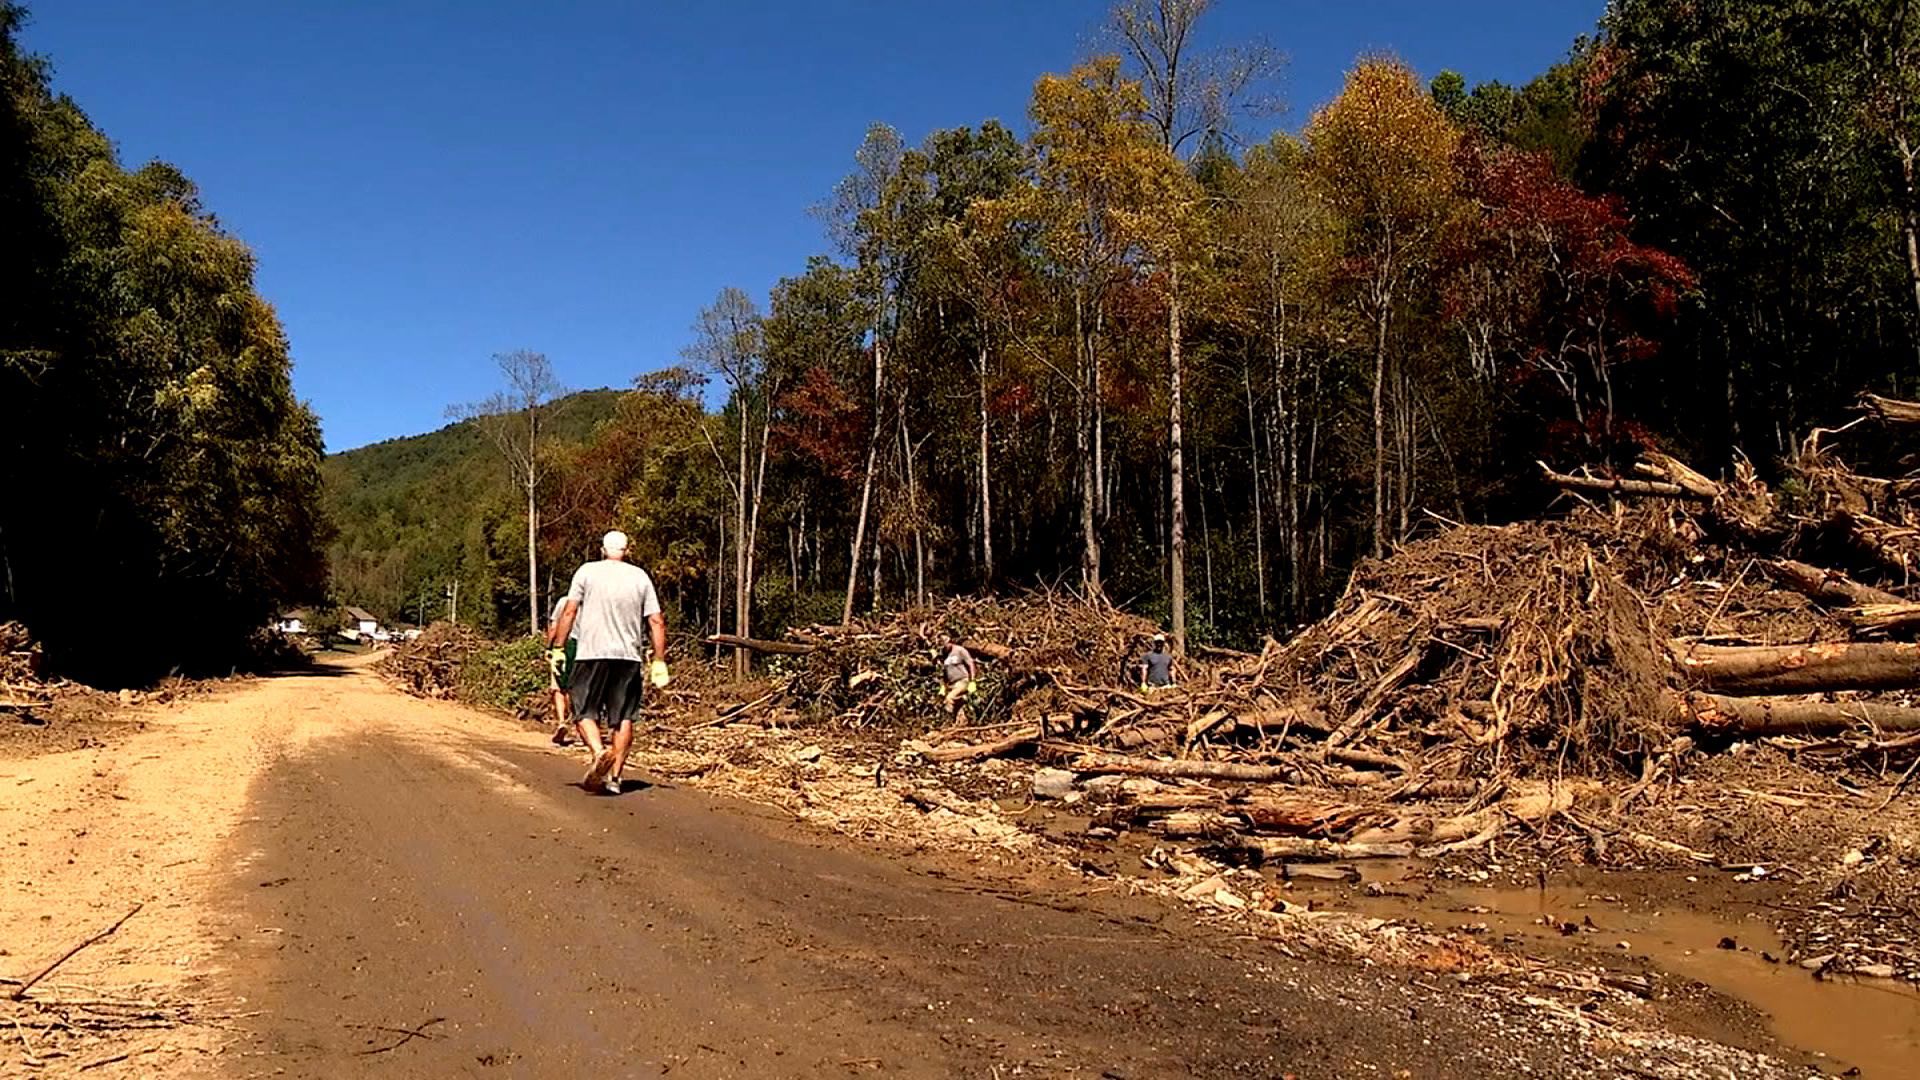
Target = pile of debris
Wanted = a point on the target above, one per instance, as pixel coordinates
(881, 672)
(21, 688)
(429, 665)
(1543, 675)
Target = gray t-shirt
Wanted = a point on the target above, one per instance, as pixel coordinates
(615, 599)
(954, 667)
(1159, 667)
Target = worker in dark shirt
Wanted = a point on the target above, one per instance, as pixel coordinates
(1156, 667)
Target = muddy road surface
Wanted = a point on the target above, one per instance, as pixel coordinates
(336, 880)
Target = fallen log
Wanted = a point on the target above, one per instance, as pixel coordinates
(1110, 765)
(1614, 485)
(1674, 471)
(1299, 815)
(1439, 788)
(1304, 849)
(1197, 825)
(1891, 410)
(1827, 586)
(988, 650)
(1365, 759)
(1717, 714)
(759, 645)
(1134, 738)
(1748, 670)
(1395, 677)
(1895, 618)
(1529, 807)
(973, 751)
(1310, 872)
(1301, 716)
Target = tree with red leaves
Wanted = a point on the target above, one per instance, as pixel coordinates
(1551, 293)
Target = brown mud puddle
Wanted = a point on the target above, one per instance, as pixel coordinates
(1840, 1022)
(1692, 928)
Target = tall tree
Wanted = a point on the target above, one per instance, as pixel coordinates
(1103, 183)
(1182, 101)
(728, 342)
(1750, 141)
(145, 381)
(513, 420)
(1383, 154)
(856, 217)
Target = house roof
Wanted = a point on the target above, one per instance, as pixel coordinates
(303, 614)
(360, 615)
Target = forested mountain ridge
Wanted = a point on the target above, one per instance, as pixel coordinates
(414, 514)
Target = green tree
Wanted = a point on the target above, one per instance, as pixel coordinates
(146, 383)
(1383, 155)
(728, 342)
(514, 420)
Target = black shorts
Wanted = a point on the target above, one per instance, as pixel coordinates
(609, 690)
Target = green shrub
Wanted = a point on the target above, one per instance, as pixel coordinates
(505, 675)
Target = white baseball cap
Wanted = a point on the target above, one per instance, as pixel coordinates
(614, 543)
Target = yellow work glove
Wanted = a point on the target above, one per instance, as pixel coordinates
(556, 658)
(973, 686)
(657, 674)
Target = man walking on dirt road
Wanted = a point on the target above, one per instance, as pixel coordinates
(560, 678)
(607, 607)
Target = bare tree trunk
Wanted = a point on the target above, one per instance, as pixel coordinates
(1910, 185)
(1083, 438)
(1105, 495)
(1405, 435)
(913, 508)
(533, 557)
(1379, 433)
(866, 482)
(1206, 531)
(742, 660)
(986, 477)
(1259, 520)
(752, 534)
(720, 570)
(1175, 466)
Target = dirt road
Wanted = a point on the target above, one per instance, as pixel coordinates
(339, 880)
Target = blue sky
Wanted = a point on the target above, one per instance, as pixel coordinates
(428, 183)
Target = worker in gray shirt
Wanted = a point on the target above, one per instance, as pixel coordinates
(612, 609)
(1156, 667)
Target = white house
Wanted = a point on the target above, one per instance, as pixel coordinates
(293, 622)
(363, 623)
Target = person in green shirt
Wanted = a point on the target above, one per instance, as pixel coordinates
(560, 678)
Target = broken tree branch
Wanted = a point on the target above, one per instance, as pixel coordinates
(20, 992)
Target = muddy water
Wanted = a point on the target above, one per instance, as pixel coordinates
(1869, 1024)
(1838, 1023)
